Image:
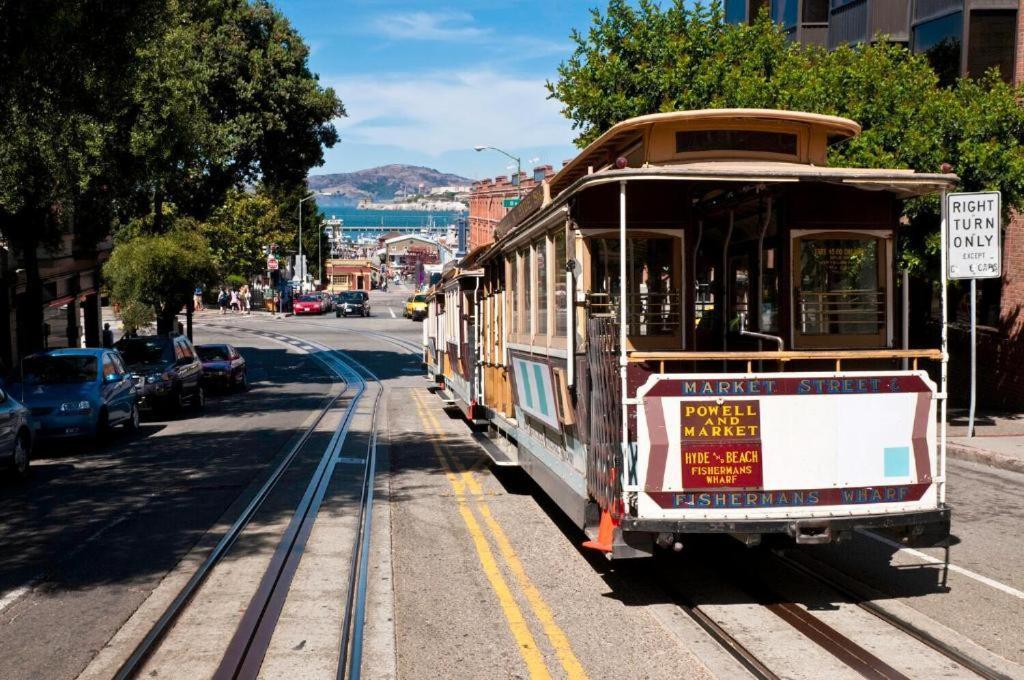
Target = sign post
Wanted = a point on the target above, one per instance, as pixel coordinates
(974, 239)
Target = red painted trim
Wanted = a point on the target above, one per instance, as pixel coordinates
(657, 459)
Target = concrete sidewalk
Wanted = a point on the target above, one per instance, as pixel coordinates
(998, 439)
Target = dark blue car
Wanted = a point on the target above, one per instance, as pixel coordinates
(78, 392)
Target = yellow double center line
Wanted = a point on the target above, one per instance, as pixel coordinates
(513, 614)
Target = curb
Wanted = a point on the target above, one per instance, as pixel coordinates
(991, 458)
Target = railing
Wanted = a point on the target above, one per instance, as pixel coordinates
(784, 357)
(647, 314)
(841, 312)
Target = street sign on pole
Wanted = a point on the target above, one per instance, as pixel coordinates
(272, 263)
(975, 242)
(509, 202)
(974, 238)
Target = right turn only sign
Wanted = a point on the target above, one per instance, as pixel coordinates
(974, 231)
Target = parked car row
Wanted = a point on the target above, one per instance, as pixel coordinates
(66, 393)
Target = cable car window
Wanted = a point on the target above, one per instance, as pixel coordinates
(560, 287)
(525, 325)
(540, 265)
(654, 301)
(841, 291)
(513, 291)
(757, 141)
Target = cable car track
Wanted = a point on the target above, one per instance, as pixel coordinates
(245, 654)
(849, 652)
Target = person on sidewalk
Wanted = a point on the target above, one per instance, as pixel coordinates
(108, 336)
(235, 306)
(243, 298)
(197, 299)
(222, 300)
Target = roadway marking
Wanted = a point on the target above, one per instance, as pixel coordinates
(351, 461)
(513, 614)
(392, 313)
(559, 641)
(992, 583)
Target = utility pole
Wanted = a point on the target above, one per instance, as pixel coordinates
(301, 263)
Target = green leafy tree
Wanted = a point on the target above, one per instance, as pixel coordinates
(226, 99)
(161, 270)
(63, 69)
(249, 221)
(644, 58)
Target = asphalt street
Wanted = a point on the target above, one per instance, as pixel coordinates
(476, 574)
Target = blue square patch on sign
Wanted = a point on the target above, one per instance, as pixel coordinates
(897, 461)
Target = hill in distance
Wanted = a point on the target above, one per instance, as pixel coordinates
(381, 184)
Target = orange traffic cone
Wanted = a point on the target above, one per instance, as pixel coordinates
(605, 533)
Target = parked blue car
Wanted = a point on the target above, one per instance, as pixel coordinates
(77, 392)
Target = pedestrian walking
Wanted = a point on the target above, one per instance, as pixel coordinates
(235, 306)
(222, 300)
(197, 299)
(243, 298)
(108, 336)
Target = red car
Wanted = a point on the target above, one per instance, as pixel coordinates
(310, 303)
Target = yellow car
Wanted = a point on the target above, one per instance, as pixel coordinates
(416, 308)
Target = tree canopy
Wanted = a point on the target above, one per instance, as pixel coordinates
(643, 58)
(120, 113)
(160, 270)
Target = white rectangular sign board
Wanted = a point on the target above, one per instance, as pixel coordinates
(974, 235)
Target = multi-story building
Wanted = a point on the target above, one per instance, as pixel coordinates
(960, 38)
(490, 199)
(68, 299)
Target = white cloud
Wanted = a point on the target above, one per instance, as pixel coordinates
(443, 26)
(443, 111)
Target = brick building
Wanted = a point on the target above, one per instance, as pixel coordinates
(490, 199)
(960, 37)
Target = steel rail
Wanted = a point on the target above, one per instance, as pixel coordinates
(354, 612)
(158, 630)
(248, 647)
(354, 616)
(925, 638)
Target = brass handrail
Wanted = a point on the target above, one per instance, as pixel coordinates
(786, 356)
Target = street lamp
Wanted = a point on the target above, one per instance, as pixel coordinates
(519, 165)
(302, 266)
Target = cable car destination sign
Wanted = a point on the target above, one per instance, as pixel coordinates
(974, 231)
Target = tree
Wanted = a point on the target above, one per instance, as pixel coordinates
(642, 59)
(63, 68)
(161, 270)
(226, 99)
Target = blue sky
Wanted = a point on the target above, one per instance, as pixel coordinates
(425, 82)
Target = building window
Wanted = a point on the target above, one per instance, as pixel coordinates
(736, 11)
(940, 39)
(540, 265)
(785, 12)
(561, 291)
(756, 141)
(815, 11)
(991, 43)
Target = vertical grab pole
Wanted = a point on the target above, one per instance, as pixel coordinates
(623, 295)
(906, 315)
(570, 304)
(974, 356)
(945, 350)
